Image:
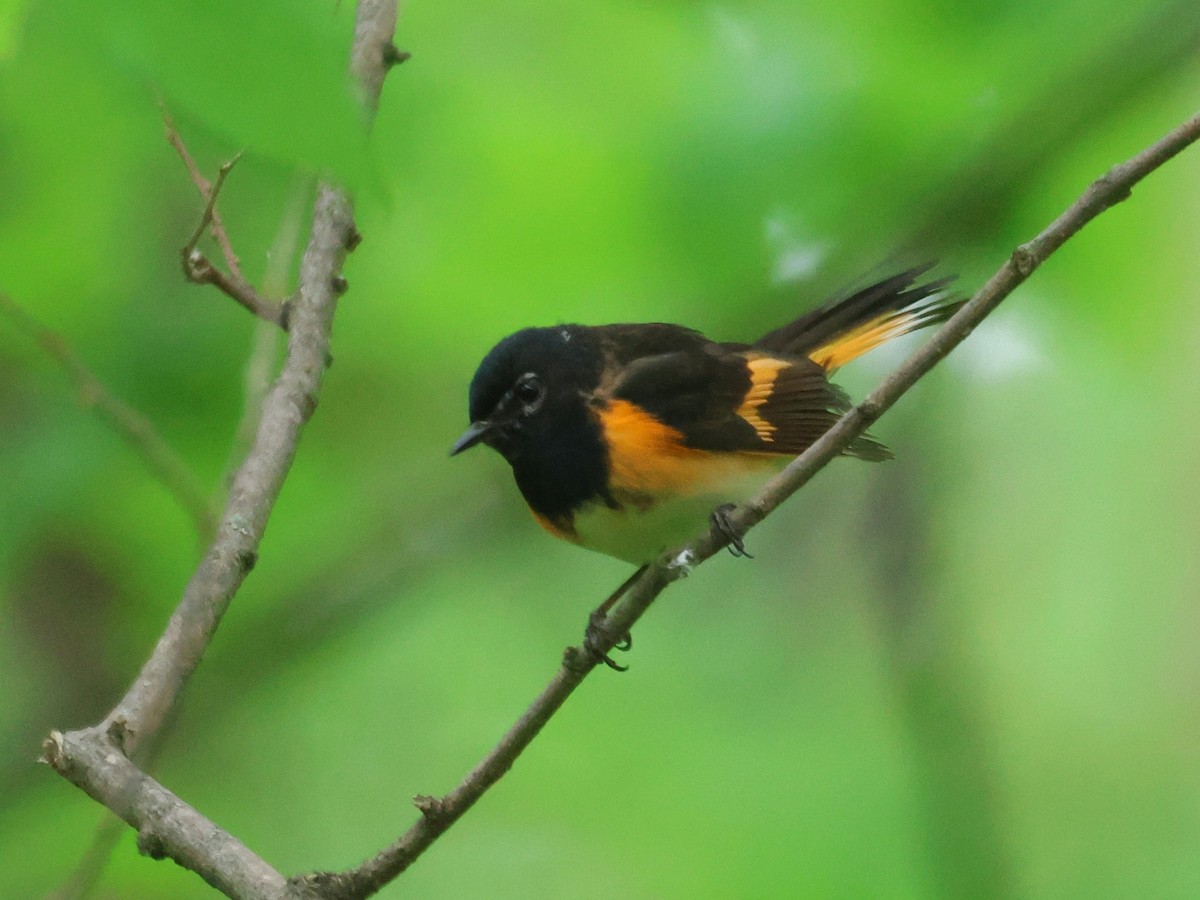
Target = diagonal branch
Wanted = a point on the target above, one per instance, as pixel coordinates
(263, 359)
(438, 814)
(97, 759)
(139, 432)
(260, 367)
(291, 401)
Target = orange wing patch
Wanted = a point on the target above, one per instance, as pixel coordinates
(648, 460)
(763, 372)
(857, 341)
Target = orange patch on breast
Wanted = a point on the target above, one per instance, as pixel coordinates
(763, 372)
(561, 530)
(648, 459)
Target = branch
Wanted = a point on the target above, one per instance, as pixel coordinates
(210, 215)
(262, 360)
(96, 759)
(137, 431)
(260, 367)
(197, 267)
(166, 825)
(204, 187)
(291, 401)
(374, 54)
(438, 814)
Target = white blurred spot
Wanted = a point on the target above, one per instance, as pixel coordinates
(999, 349)
(774, 78)
(683, 561)
(735, 34)
(794, 257)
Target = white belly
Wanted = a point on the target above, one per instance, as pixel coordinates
(639, 535)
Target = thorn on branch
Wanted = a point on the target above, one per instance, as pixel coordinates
(431, 807)
(353, 239)
(393, 55)
(578, 661)
(247, 559)
(117, 730)
(308, 405)
(324, 886)
(339, 284)
(1113, 187)
(52, 750)
(869, 410)
(150, 844)
(1023, 259)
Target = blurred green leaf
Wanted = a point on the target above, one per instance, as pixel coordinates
(267, 76)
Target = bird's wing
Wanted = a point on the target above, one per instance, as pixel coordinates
(727, 397)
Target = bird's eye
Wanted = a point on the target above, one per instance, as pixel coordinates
(529, 391)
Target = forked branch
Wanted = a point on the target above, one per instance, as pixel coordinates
(197, 267)
(97, 759)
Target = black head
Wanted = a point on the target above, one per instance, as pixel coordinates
(529, 384)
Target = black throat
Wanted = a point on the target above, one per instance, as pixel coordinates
(564, 464)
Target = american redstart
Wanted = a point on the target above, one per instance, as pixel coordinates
(626, 439)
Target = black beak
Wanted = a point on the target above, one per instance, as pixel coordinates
(472, 436)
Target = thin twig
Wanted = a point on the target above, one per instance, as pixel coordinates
(220, 235)
(96, 759)
(438, 814)
(138, 432)
(91, 865)
(197, 267)
(207, 218)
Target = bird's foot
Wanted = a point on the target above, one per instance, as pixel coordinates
(720, 521)
(594, 638)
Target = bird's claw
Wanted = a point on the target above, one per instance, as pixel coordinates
(594, 637)
(720, 521)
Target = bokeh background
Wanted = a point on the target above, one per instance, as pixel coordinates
(972, 671)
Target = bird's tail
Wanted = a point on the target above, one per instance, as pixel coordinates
(841, 330)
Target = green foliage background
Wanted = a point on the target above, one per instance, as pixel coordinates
(968, 672)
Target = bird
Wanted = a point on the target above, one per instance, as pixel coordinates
(628, 439)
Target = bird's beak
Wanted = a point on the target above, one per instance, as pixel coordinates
(472, 436)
